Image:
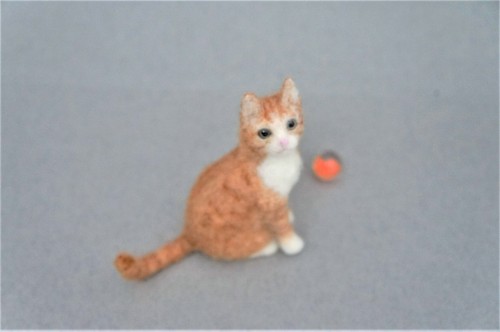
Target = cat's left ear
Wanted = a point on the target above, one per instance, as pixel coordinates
(250, 106)
(289, 94)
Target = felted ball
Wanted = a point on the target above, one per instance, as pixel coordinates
(327, 166)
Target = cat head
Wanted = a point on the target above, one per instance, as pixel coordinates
(272, 125)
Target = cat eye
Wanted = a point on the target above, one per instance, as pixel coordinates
(264, 133)
(292, 123)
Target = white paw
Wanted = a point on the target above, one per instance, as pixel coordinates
(268, 250)
(291, 217)
(292, 244)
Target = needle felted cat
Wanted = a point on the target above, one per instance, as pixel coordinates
(238, 207)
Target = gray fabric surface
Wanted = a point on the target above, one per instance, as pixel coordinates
(110, 110)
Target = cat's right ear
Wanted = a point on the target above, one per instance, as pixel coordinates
(250, 106)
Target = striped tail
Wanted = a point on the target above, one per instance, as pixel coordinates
(140, 268)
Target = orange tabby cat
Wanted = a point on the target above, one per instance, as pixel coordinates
(238, 207)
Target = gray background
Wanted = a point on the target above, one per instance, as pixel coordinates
(110, 110)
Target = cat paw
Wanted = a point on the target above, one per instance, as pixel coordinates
(292, 244)
(125, 263)
(291, 217)
(268, 250)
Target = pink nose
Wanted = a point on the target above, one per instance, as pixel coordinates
(284, 142)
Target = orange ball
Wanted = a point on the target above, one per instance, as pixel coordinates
(326, 166)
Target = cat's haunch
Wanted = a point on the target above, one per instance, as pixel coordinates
(238, 207)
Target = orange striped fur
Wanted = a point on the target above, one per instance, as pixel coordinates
(231, 214)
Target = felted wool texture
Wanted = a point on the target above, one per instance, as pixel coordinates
(231, 213)
(110, 111)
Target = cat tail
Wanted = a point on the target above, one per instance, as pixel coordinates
(134, 268)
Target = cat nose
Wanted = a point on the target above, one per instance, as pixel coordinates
(283, 142)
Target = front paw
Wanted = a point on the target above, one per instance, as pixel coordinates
(291, 244)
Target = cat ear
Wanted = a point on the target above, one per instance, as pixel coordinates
(250, 106)
(289, 93)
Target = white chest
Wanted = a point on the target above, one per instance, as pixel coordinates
(281, 172)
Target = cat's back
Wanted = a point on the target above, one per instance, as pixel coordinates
(215, 172)
(218, 179)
